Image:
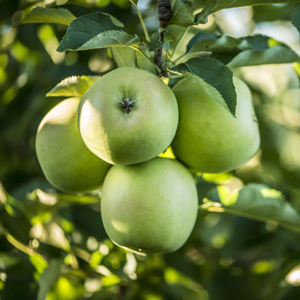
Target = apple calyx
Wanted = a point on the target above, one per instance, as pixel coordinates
(127, 105)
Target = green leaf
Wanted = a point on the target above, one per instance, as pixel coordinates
(123, 56)
(212, 6)
(76, 9)
(77, 199)
(245, 51)
(93, 31)
(74, 86)
(263, 50)
(207, 72)
(258, 202)
(60, 16)
(280, 54)
(296, 18)
(182, 12)
(209, 42)
(155, 42)
(142, 62)
(201, 36)
(48, 277)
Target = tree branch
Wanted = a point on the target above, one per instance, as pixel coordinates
(164, 15)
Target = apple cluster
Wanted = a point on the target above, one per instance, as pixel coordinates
(111, 139)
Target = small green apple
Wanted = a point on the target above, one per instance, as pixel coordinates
(209, 139)
(128, 116)
(65, 160)
(149, 207)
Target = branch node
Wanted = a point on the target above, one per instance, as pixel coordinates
(164, 15)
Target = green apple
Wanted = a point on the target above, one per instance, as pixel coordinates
(128, 116)
(209, 139)
(65, 160)
(149, 207)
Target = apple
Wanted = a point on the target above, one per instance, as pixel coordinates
(209, 139)
(128, 116)
(149, 207)
(65, 160)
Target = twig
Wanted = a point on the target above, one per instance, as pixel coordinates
(141, 20)
(164, 15)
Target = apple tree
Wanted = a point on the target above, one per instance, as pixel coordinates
(92, 92)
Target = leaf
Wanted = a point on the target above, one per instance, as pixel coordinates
(296, 18)
(212, 6)
(182, 12)
(77, 199)
(258, 202)
(263, 50)
(209, 42)
(155, 42)
(77, 10)
(201, 36)
(123, 56)
(142, 62)
(275, 55)
(93, 31)
(74, 86)
(60, 16)
(207, 72)
(48, 277)
(245, 51)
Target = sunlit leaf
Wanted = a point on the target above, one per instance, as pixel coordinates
(255, 201)
(207, 72)
(60, 16)
(78, 199)
(49, 276)
(39, 262)
(95, 31)
(74, 86)
(110, 280)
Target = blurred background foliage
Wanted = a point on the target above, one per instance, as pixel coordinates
(53, 246)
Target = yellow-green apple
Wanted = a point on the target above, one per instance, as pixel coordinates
(149, 207)
(65, 160)
(209, 139)
(128, 116)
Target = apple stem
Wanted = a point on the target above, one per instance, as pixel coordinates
(164, 15)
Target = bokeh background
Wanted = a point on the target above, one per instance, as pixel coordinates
(53, 246)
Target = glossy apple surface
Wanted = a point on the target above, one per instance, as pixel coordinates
(128, 116)
(149, 207)
(209, 139)
(65, 160)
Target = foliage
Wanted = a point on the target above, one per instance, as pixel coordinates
(246, 241)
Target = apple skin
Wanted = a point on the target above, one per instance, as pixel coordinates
(149, 207)
(128, 116)
(65, 160)
(209, 139)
